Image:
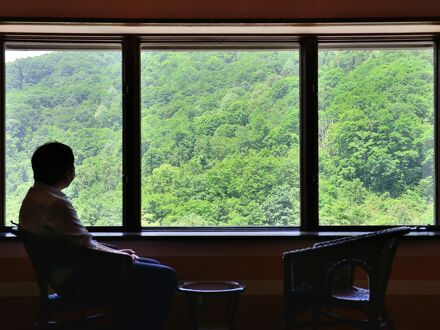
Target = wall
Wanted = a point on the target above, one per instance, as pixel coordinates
(220, 9)
(413, 293)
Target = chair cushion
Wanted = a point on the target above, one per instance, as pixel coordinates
(354, 294)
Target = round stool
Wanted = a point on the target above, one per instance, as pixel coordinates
(194, 290)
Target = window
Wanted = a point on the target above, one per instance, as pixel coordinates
(71, 95)
(228, 132)
(376, 130)
(220, 138)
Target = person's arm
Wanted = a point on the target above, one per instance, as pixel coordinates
(102, 247)
(64, 223)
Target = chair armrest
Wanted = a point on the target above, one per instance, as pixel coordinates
(99, 270)
(13, 230)
(340, 275)
(306, 269)
(96, 263)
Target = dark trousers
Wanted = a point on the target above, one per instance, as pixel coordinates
(154, 288)
(142, 304)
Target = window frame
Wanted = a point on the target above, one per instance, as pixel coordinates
(131, 46)
(207, 43)
(64, 43)
(393, 42)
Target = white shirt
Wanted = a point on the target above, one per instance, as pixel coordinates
(47, 212)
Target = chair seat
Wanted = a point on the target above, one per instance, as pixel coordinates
(353, 294)
(54, 298)
(58, 301)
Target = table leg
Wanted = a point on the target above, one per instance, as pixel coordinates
(232, 302)
(192, 309)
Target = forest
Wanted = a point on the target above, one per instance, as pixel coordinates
(220, 135)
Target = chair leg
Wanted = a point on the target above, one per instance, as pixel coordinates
(386, 317)
(316, 317)
(374, 319)
(290, 321)
(289, 316)
(36, 326)
(40, 323)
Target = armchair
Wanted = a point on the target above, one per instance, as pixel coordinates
(321, 278)
(91, 272)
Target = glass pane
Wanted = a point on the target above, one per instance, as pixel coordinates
(376, 137)
(73, 97)
(220, 138)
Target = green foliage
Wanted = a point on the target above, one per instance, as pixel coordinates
(220, 135)
(220, 138)
(376, 137)
(74, 98)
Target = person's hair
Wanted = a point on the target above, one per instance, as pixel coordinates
(51, 161)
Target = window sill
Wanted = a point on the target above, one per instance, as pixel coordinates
(236, 234)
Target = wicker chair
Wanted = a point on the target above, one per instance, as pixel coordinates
(93, 273)
(321, 279)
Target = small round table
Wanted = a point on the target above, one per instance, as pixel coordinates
(194, 290)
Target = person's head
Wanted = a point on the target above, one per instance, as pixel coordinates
(53, 164)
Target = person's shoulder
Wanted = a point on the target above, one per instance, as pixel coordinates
(46, 191)
(41, 199)
(59, 202)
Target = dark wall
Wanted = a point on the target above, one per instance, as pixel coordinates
(413, 293)
(220, 9)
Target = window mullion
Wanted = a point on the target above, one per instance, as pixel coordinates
(309, 133)
(2, 135)
(436, 129)
(131, 133)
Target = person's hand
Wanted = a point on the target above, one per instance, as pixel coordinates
(131, 253)
(127, 251)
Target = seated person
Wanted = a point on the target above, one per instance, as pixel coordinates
(47, 212)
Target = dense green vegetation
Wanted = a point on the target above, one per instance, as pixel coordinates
(376, 137)
(74, 98)
(220, 135)
(220, 138)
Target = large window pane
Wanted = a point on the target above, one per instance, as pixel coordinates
(220, 138)
(376, 136)
(74, 97)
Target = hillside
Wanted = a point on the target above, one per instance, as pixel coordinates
(220, 135)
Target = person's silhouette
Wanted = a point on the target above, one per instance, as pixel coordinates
(47, 212)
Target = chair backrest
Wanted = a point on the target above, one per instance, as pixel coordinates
(36, 251)
(306, 271)
(94, 271)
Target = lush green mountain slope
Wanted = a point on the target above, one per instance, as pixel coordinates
(75, 98)
(220, 135)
